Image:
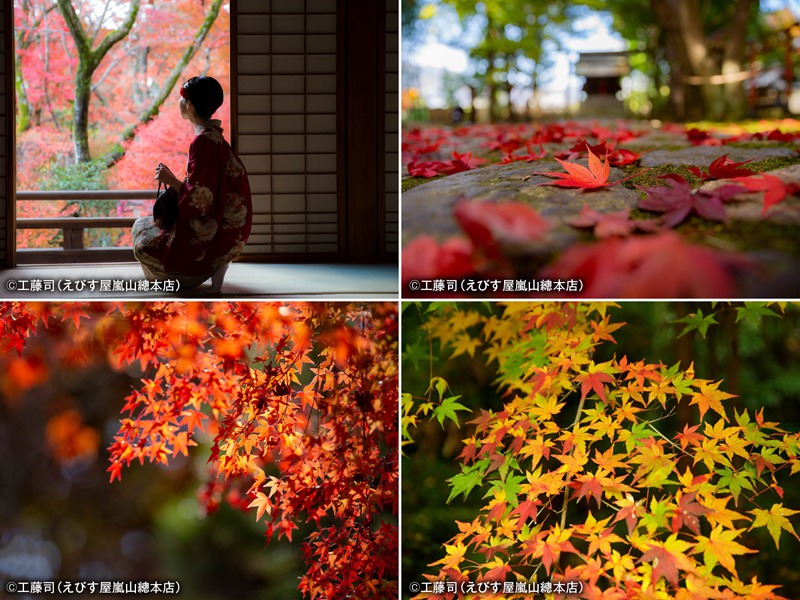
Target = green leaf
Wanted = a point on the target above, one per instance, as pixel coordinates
(697, 321)
(465, 481)
(640, 431)
(753, 311)
(735, 481)
(447, 410)
(511, 487)
(415, 352)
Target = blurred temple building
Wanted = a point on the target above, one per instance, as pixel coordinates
(603, 72)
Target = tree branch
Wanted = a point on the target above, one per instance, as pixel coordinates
(152, 111)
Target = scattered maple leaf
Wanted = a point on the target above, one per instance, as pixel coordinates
(677, 200)
(698, 137)
(774, 189)
(426, 169)
(489, 224)
(425, 258)
(462, 162)
(615, 224)
(578, 176)
(655, 266)
(722, 168)
(531, 156)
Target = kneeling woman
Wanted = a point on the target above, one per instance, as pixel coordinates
(214, 205)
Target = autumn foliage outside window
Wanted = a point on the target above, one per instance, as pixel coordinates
(577, 461)
(295, 404)
(97, 98)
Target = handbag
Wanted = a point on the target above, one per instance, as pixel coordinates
(165, 208)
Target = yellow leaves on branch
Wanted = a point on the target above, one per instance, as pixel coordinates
(575, 432)
(775, 520)
(720, 547)
(709, 397)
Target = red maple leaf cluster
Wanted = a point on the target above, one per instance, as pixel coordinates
(300, 401)
(424, 151)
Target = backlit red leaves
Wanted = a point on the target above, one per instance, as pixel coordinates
(664, 563)
(593, 381)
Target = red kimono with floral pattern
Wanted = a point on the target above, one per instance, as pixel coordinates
(214, 214)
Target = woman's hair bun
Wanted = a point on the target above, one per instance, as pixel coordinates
(205, 94)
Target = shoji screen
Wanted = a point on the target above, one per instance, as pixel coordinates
(391, 108)
(286, 131)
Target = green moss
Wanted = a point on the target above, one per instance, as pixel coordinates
(744, 235)
(412, 182)
(650, 177)
(771, 164)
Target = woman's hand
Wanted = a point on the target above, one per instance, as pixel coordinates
(164, 175)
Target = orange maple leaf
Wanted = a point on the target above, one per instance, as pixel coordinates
(578, 176)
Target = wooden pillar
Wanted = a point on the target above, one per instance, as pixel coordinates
(360, 123)
(8, 153)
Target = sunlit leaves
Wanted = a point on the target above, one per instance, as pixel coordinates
(775, 519)
(709, 397)
(720, 548)
(573, 433)
(305, 391)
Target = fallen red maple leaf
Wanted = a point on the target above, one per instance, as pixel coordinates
(616, 224)
(426, 168)
(773, 187)
(578, 176)
(489, 224)
(462, 162)
(425, 258)
(722, 168)
(617, 158)
(698, 137)
(655, 266)
(677, 200)
(531, 156)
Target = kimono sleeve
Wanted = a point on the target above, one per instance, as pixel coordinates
(197, 204)
(197, 197)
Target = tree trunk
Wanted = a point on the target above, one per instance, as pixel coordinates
(80, 124)
(152, 111)
(703, 81)
(23, 106)
(88, 61)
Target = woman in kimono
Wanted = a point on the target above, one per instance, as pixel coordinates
(214, 205)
